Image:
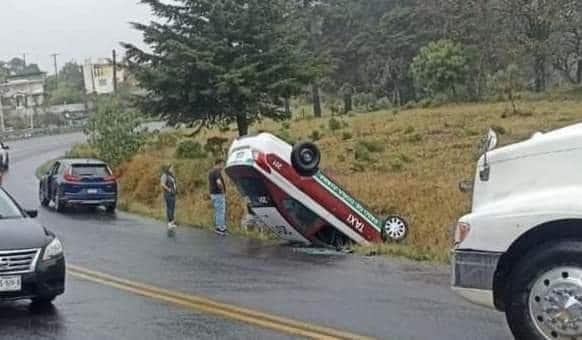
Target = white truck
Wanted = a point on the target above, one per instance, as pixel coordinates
(519, 250)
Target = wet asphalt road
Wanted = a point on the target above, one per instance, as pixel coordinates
(378, 297)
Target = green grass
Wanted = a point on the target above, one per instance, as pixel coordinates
(407, 163)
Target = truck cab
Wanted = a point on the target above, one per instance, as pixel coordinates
(519, 250)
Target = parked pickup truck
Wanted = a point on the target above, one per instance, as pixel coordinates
(519, 250)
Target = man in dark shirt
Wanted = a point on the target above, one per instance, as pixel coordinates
(217, 195)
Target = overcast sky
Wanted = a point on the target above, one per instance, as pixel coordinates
(76, 29)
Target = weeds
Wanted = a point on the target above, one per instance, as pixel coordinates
(420, 184)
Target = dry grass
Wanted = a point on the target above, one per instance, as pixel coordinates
(414, 161)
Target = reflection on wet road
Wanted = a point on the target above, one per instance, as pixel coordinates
(382, 298)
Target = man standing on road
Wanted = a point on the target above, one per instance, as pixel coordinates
(168, 183)
(217, 195)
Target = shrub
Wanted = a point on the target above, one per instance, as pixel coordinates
(410, 105)
(365, 101)
(285, 125)
(372, 145)
(315, 135)
(417, 137)
(396, 165)
(409, 130)
(167, 139)
(189, 149)
(361, 153)
(346, 135)
(334, 124)
(383, 103)
(114, 132)
(215, 146)
(286, 136)
(82, 151)
(500, 130)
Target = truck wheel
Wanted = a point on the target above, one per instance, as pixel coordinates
(305, 158)
(395, 229)
(544, 299)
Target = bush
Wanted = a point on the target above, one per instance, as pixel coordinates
(114, 132)
(346, 135)
(441, 67)
(365, 101)
(409, 130)
(82, 151)
(361, 153)
(334, 124)
(500, 130)
(416, 138)
(315, 135)
(383, 103)
(167, 139)
(215, 146)
(286, 136)
(285, 125)
(372, 145)
(410, 105)
(189, 149)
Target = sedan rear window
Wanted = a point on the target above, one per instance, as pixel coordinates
(90, 170)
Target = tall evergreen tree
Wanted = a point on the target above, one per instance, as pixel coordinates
(217, 61)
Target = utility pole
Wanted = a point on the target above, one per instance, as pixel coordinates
(24, 58)
(2, 126)
(114, 73)
(54, 55)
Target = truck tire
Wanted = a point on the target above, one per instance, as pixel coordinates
(545, 292)
(305, 158)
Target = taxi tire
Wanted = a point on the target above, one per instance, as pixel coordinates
(305, 158)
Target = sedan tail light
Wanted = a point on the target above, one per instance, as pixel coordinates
(110, 179)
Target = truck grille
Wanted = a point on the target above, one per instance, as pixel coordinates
(18, 261)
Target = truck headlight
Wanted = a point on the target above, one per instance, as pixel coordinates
(461, 232)
(54, 249)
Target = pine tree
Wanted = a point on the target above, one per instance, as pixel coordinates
(218, 61)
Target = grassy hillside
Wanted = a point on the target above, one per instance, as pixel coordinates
(406, 162)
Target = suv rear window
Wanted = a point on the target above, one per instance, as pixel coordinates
(90, 170)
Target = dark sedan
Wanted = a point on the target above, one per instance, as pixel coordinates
(32, 262)
(87, 182)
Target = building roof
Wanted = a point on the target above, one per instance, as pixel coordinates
(37, 75)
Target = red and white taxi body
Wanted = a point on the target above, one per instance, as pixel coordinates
(308, 209)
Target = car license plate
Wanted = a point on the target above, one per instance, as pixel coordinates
(10, 284)
(91, 191)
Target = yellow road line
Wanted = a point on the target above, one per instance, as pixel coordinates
(206, 305)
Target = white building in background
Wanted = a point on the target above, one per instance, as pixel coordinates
(23, 94)
(98, 76)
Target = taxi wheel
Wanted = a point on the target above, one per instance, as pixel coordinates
(395, 229)
(305, 158)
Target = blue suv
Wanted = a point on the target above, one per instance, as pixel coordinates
(87, 182)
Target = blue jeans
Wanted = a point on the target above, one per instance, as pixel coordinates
(170, 206)
(219, 203)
